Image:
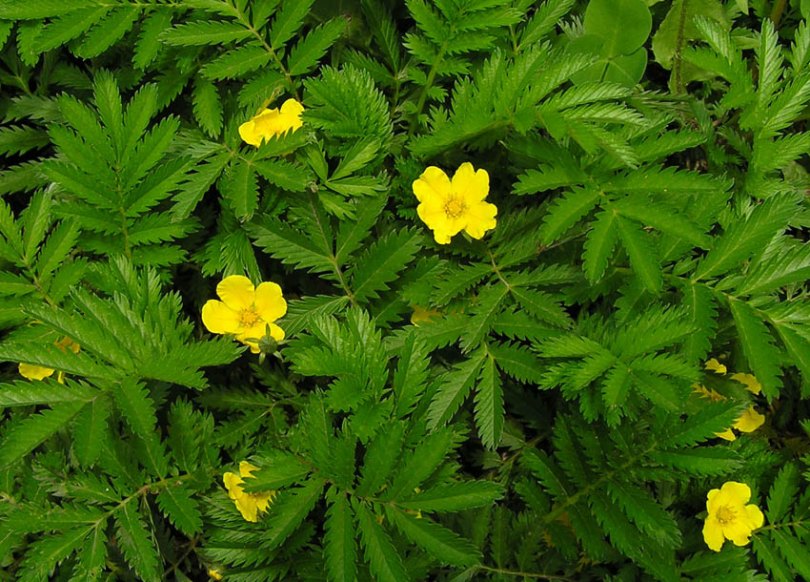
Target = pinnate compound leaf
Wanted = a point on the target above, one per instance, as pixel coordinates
(177, 504)
(137, 544)
(340, 547)
(435, 539)
(383, 558)
(758, 346)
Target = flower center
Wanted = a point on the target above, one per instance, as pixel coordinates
(248, 317)
(454, 207)
(726, 515)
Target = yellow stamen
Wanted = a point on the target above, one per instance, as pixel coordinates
(726, 515)
(454, 207)
(248, 317)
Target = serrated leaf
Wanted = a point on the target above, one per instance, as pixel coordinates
(701, 460)
(237, 62)
(384, 560)
(758, 346)
(489, 405)
(451, 497)
(137, 544)
(26, 435)
(566, 212)
(90, 430)
(782, 493)
(289, 510)
(176, 503)
(288, 20)
(305, 55)
(599, 245)
(643, 255)
(436, 540)
(240, 189)
(421, 463)
(453, 389)
(203, 33)
(285, 175)
(382, 263)
(207, 106)
(340, 548)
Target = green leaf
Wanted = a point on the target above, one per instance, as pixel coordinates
(643, 255)
(794, 551)
(26, 435)
(622, 25)
(288, 20)
(489, 405)
(782, 493)
(240, 189)
(204, 32)
(543, 306)
(177, 504)
(137, 544)
(381, 458)
(13, 10)
(27, 393)
(90, 429)
(383, 558)
(289, 510)
(237, 62)
(382, 263)
(704, 460)
(305, 55)
(454, 497)
(516, 361)
(44, 554)
(566, 212)
(138, 409)
(340, 548)
(290, 177)
(599, 245)
(108, 31)
(758, 346)
(453, 389)
(713, 417)
(664, 219)
(745, 237)
(436, 540)
(352, 232)
(207, 106)
(421, 463)
(771, 559)
(281, 470)
(290, 246)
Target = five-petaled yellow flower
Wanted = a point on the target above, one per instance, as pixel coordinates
(272, 122)
(248, 504)
(245, 312)
(34, 372)
(750, 420)
(729, 517)
(450, 206)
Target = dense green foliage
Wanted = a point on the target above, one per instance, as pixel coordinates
(516, 407)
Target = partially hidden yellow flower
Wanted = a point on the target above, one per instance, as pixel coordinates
(449, 206)
(248, 504)
(214, 574)
(729, 517)
(34, 372)
(272, 122)
(245, 311)
(421, 315)
(748, 421)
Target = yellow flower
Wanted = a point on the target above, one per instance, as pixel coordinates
(214, 574)
(450, 206)
(272, 122)
(248, 504)
(748, 421)
(245, 311)
(729, 517)
(34, 372)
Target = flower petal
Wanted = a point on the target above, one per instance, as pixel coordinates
(471, 184)
(736, 493)
(433, 184)
(480, 218)
(249, 135)
(716, 366)
(711, 500)
(750, 381)
(246, 469)
(219, 318)
(233, 483)
(713, 534)
(291, 111)
(749, 421)
(752, 516)
(237, 292)
(727, 434)
(738, 532)
(247, 507)
(270, 304)
(34, 372)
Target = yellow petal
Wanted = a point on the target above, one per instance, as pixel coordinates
(480, 218)
(248, 133)
(233, 484)
(252, 335)
(247, 507)
(263, 499)
(433, 184)
(214, 574)
(219, 318)
(246, 469)
(749, 421)
(716, 366)
(67, 344)
(727, 434)
(738, 532)
(736, 493)
(752, 517)
(713, 534)
(34, 372)
(236, 292)
(291, 111)
(421, 315)
(270, 304)
(711, 501)
(750, 381)
(471, 184)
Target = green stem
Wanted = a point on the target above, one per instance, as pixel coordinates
(518, 573)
